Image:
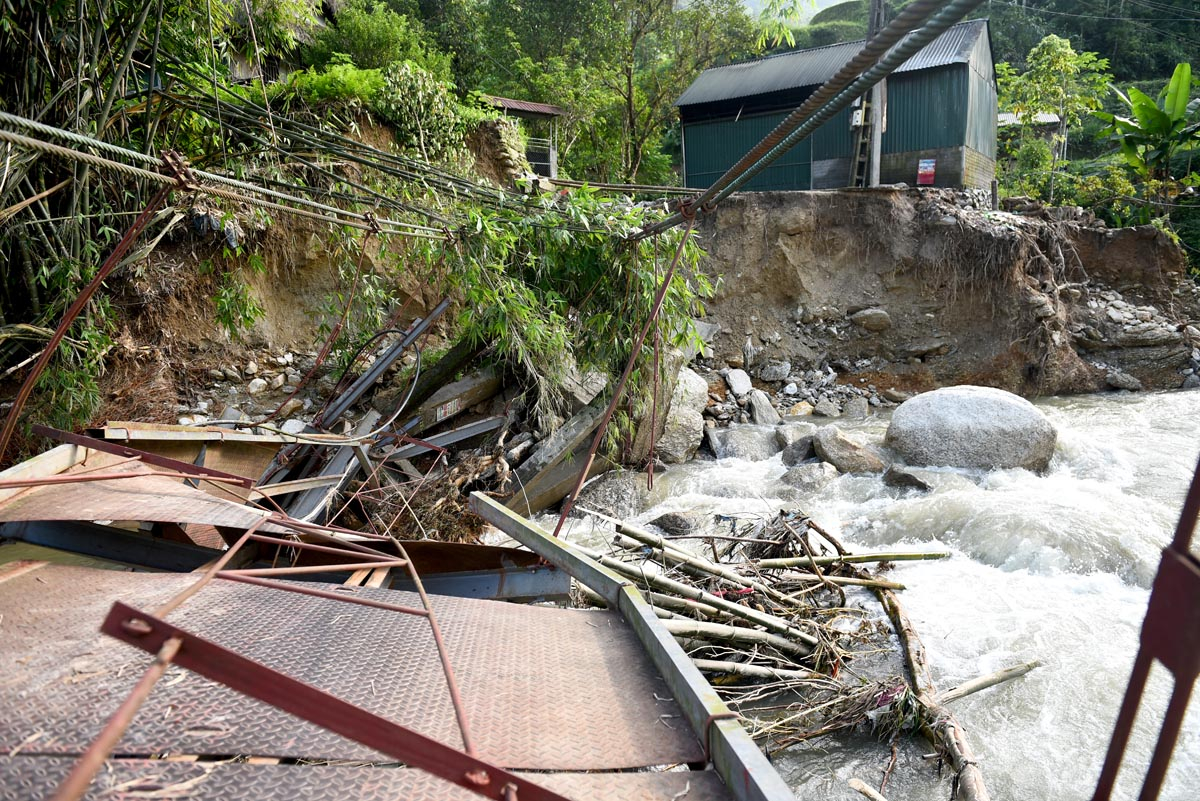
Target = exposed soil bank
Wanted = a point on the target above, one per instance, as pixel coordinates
(914, 289)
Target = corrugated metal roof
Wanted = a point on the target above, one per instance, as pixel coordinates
(819, 64)
(526, 106)
(1040, 118)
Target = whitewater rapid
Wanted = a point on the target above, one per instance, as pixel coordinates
(1055, 567)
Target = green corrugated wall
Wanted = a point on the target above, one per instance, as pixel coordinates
(945, 107)
(926, 110)
(711, 148)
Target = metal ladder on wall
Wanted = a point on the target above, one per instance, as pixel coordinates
(860, 157)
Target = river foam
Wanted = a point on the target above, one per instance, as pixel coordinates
(1054, 567)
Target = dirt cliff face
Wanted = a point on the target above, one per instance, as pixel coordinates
(915, 289)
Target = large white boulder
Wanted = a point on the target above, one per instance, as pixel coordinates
(683, 429)
(973, 427)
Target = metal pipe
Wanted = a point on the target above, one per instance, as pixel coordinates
(460, 713)
(308, 546)
(314, 592)
(307, 569)
(192, 589)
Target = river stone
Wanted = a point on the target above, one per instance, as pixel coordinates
(683, 428)
(774, 371)
(857, 408)
(845, 453)
(1119, 379)
(827, 408)
(676, 523)
(739, 382)
(256, 386)
(972, 427)
(1191, 382)
(810, 477)
(798, 451)
(897, 476)
(752, 443)
(788, 433)
(761, 410)
(618, 493)
(872, 319)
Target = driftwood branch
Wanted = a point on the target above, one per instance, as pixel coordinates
(990, 680)
(860, 786)
(939, 724)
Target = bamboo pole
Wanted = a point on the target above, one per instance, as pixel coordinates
(770, 622)
(755, 671)
(937, 724)
(665, 551)
(735, 634)
(893, 556)
(684, 605)
(861, 787)
(990, 680)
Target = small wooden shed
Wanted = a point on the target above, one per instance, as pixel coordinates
(940, 114)
(541, 150)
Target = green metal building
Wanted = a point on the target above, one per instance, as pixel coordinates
(941, 106)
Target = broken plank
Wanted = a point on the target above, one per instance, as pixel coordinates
(552, 485)
(565, 439)
(453, 399)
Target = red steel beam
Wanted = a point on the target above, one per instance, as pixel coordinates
(309, 703)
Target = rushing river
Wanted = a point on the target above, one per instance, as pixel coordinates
(1054, 567)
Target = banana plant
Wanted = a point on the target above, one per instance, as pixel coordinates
(1156, 130)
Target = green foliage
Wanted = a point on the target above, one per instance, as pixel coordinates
(616, 67)
(1155, 131)
(1142, 40)
(557, 284)
(372, 36)
(849, 11)
(336, 83)
(828, 33)
(1059, 81)
(422, 110)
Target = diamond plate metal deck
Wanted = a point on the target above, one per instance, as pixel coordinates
(544, 689)
(25, 778)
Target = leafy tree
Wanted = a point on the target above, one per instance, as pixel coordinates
(372, 36)
(1057, 80)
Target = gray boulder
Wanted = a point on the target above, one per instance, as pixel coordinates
(752, 443)
(799, 451)
(905, 479)
(972, 427)
(683, 428)
(618, 493)
(810, 477)
(774, 371)
(872, 319)
(1119, 379)
(788, 433)
(676, 523)
(857, 408)
(827, 408)
(739, 382)
(846, 453)
(761, 410)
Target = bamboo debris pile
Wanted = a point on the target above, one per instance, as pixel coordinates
(779, 620)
